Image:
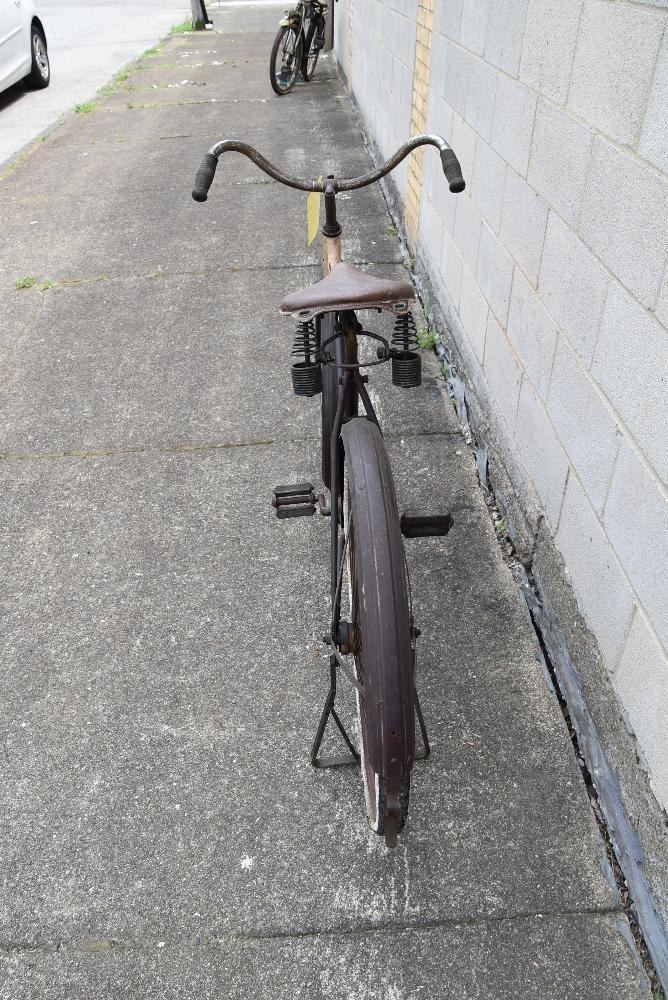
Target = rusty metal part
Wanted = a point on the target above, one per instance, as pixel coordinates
(343, 184)
(393, 817)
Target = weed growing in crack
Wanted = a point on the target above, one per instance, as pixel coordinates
(427, 339)
(501, 527)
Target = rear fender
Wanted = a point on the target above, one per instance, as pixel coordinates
(381, 602)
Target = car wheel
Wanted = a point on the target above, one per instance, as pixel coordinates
(40, 71)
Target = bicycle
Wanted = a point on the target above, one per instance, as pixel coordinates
(297, 45)
(374, 646)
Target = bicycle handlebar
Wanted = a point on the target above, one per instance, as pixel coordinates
(204, 177)
(207, 170)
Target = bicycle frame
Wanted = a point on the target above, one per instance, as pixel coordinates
(352, 390)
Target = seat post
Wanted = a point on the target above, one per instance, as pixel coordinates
(331, 230)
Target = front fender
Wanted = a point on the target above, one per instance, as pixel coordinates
(292, 20)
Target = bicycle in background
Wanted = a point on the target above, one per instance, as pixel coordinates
(297, 45)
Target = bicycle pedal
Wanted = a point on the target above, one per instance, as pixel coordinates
(425, 523)
(298, 500)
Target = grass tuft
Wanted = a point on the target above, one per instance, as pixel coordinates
(85, 108)
(178, 29)
(27, 281)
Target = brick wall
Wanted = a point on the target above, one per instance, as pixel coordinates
(551, 271)
(382, 40)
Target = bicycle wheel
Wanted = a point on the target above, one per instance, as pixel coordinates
(381, 637)
(330, 391)
(285, 60)
(310, 60)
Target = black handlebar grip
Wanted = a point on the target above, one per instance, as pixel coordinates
(452, 170)
(204, 177)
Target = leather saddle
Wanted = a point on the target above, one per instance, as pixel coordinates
(346, 287)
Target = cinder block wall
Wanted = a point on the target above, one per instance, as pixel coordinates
(551, 272)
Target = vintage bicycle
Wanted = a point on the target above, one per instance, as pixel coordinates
(372, 635)
(297, 45)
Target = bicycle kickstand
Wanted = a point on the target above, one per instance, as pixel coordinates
(345, 759)
(426, 746)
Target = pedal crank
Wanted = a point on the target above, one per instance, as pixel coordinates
(425, 523)
(298, 500)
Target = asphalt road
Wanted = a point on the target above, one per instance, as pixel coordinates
(88, 43)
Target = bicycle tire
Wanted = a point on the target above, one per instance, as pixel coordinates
(381, 633)
(307, 70)
(297, 58)
(330, 394)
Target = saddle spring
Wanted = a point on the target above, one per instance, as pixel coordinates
(406, 362)
(306, 373)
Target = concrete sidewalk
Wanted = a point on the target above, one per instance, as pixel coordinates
(162, 673)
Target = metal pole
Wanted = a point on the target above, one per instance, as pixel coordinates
(329, 32)
(200, 18)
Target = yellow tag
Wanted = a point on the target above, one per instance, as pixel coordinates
(312, 215)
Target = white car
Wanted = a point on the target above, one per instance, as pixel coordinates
(23, 51)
